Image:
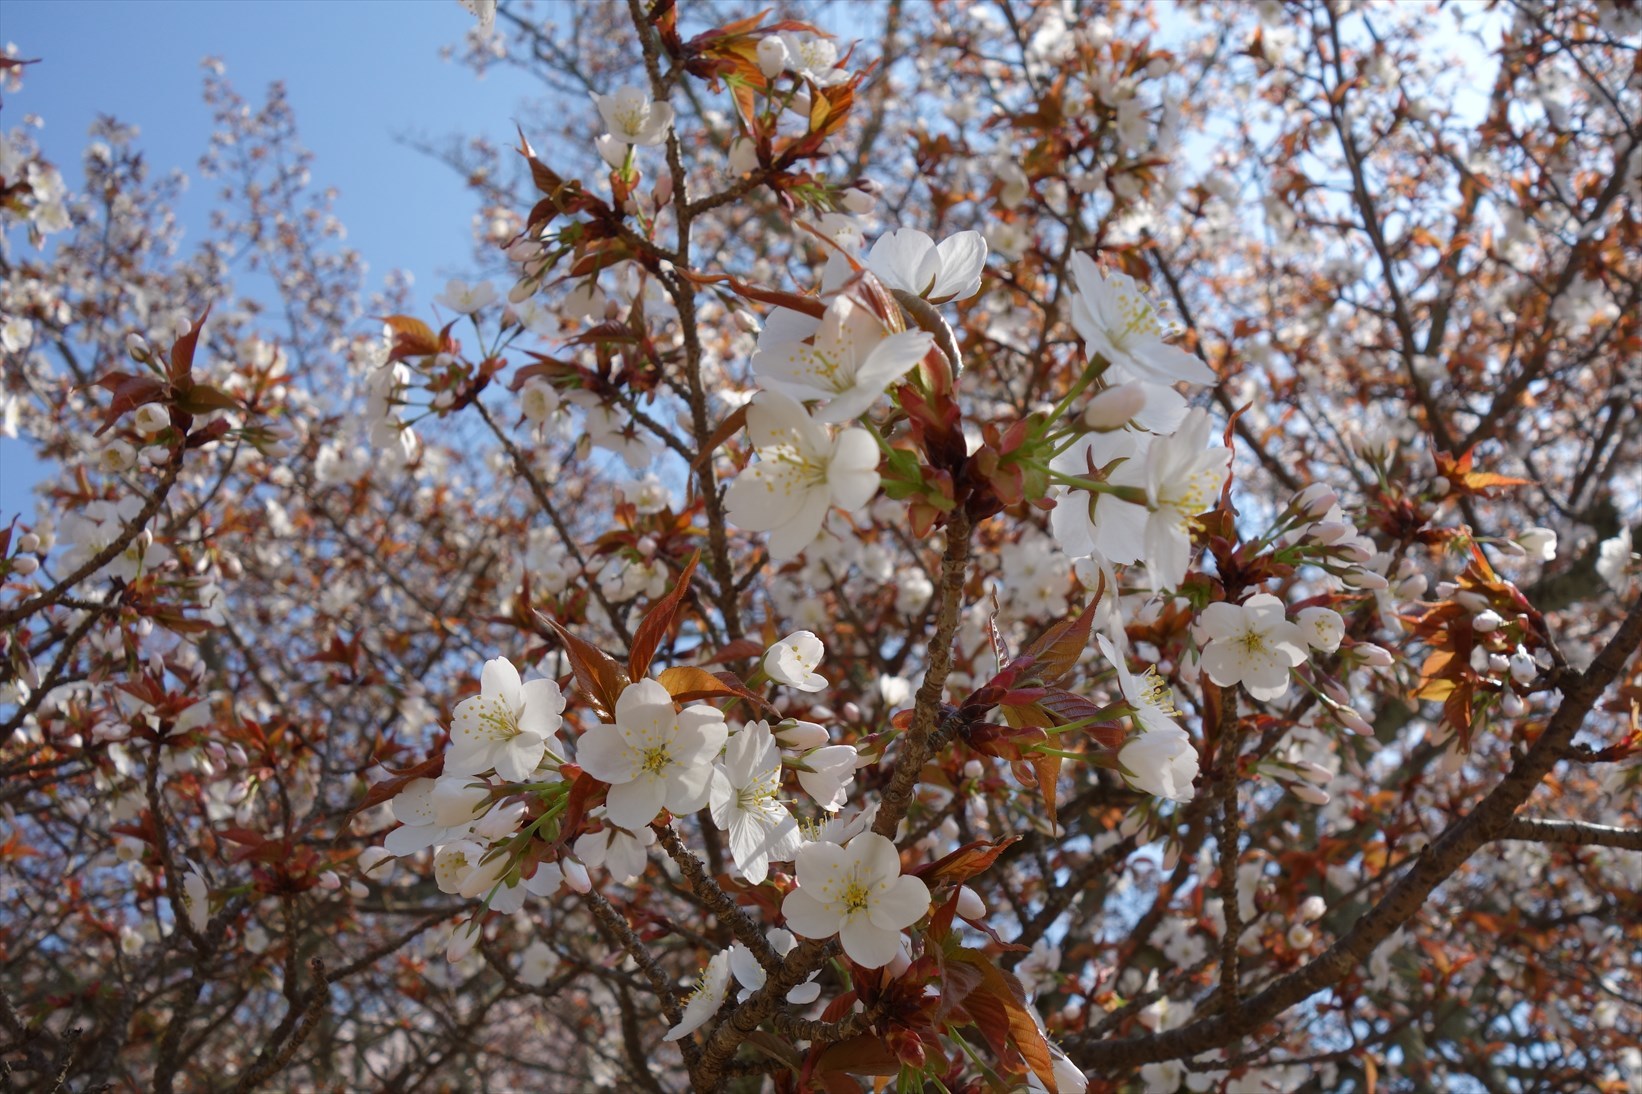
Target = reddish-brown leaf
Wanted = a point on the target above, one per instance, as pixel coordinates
(729, 427)
(657, 621)
(964, 863)
(430, 768)
(1057, 650)
(688, 684)
(597, 673)
(129, 392)
(864, 1055)
(182, 351)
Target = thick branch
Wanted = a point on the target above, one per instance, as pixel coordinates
(915, 745)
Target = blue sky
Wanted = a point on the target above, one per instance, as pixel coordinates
(360, 74)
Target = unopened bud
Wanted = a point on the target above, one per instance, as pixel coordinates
(857, 201)
(28, 543)
(329, 881)
(1523, 669)
(772, 56)
(1115, 407)
(1539, 543)
(1314, 773)
(376, 863)
(1372, 655)
(575, 875)
(1511, 705)
(24, 565)
(1353, 721)
(1316, 500)
(1486, 620)
(1312, 909)
(800, 736)
(151, 418)
(1308, 793)
(970, 904)
(462, 941)
(137, 346)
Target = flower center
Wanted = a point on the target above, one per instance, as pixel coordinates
(656, 760)
(1253, 642)
(758, 796)
(499, 721)
(855, 898)
(1139, 319)
(1154, 692)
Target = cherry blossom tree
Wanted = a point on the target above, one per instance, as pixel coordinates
(1015, 545)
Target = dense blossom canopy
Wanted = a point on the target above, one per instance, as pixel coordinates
(1013, 545)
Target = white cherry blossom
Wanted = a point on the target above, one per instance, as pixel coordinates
(196, 900)
(435, 811)
(619, 851)
(792, 661)
(1252, 644)
(800, 474)
(911, 261)
(825, 773)
(1321, 627)
(655, 756)
(1184, 475)
(814, 58)
(858, 893)
(633, 118)
(846, 358)
(1116, 320)
(1160, 760)
(509, 725)
(467, 299)
(744, 798)
(704, 1001)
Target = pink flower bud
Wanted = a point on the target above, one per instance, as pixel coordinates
(1365, 579)
(1316, 500)
(1314, 773)
(800, 736)
(329, 881)
(1115, 407)
(575, 875)
(1308, 793)
(462, 940)
(1372, 655)
(1353, 721)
